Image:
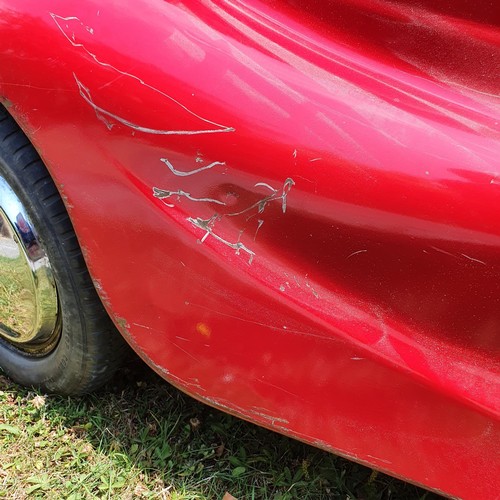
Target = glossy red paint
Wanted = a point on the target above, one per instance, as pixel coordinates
(290, 212)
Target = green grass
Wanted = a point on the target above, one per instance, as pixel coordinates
(141, 438)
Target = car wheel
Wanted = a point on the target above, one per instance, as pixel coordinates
(54, 332)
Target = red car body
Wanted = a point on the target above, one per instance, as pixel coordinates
(291, 212)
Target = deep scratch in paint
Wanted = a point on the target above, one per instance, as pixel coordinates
(262, 203)
(207, 224)
(101, 113)
(164, 193)
(60, 22)
(181, 173)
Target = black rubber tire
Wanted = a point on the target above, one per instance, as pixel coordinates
(89, 349)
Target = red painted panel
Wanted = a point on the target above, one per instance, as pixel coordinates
(289, 211)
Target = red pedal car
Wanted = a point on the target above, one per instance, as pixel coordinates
(290, 210)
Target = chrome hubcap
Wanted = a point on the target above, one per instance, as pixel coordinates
(28, 295)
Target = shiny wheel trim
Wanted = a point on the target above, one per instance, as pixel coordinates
(29, 312)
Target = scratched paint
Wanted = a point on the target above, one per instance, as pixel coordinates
(164, 193)
(262, 203)
(182, 173)
(206, 225)
(102, 112)
(66, 27)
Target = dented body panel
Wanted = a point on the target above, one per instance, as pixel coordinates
(291, 214)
